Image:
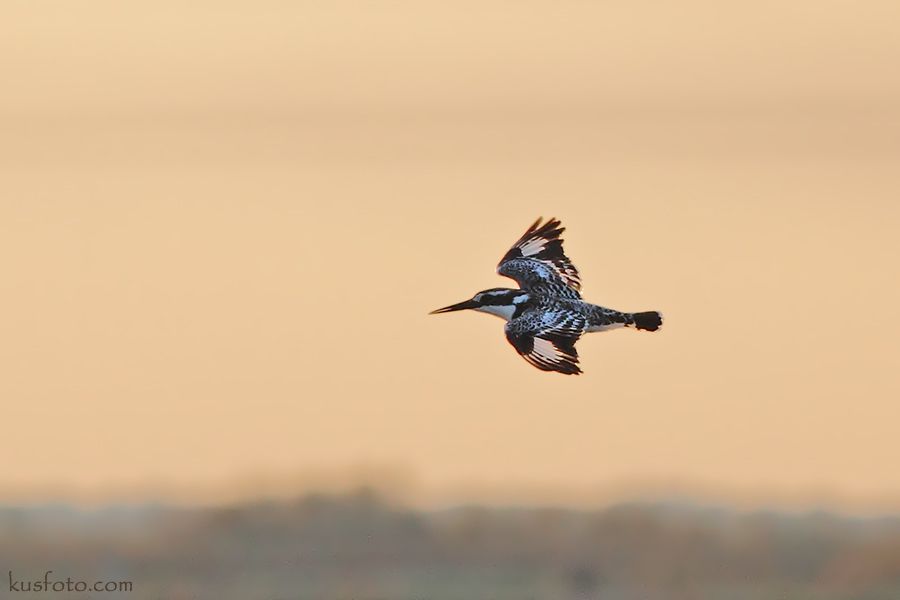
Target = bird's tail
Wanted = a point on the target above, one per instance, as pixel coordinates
(647, 321)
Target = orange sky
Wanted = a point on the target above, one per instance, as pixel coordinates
(221, 229)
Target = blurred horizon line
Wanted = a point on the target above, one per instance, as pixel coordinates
(405, 487)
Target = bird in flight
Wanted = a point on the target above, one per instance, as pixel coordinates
(546, 315)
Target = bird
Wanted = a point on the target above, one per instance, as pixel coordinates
(546, 315)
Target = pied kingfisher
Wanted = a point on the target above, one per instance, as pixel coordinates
(546, 316)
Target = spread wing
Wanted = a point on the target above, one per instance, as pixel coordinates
(537, 262)
(547, 339)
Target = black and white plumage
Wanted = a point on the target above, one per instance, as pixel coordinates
(546, 315)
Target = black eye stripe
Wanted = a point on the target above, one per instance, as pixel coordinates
(500, 297)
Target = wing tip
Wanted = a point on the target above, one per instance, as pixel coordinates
(560, 357)
(563, 368)
(551, 227)
(547, 227)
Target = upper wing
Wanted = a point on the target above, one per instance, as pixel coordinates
(547, 339)
(537, 261)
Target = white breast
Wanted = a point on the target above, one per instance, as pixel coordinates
(504, 312)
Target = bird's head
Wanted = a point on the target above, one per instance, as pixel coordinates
(501, 302)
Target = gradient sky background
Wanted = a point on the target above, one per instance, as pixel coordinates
(222, 226)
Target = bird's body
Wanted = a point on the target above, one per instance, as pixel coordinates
(546, 316)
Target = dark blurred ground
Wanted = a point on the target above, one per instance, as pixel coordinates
(359, 547)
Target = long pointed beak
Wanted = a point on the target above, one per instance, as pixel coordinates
(459, 306)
